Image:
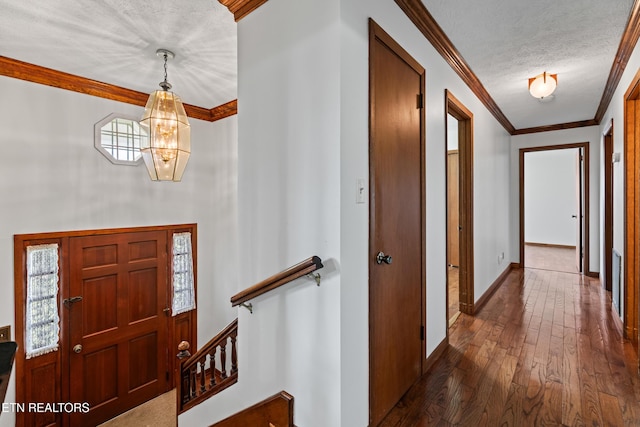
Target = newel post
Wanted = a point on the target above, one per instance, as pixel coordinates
(183, 353)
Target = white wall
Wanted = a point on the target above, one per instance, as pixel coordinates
(289, 209)
(567, 136)
(615, 112)
(55, 180)
(550, 197)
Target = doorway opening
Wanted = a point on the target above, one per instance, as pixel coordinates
(459, 183)
(554, 214)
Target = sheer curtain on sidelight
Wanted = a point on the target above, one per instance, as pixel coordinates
(184, 298)
(42, 328)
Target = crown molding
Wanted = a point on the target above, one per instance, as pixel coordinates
(422, 19)
(625, 49)
(46, 76)
(559, 126)
(224, 110)
(241, 8)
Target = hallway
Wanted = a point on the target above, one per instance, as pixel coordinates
(545, 350)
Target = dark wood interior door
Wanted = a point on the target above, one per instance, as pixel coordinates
(396, 271)
(118, 329)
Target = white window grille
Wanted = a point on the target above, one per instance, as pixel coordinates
(42, 322)
(119, 138)
(184, 298)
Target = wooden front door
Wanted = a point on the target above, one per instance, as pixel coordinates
(118, 329)
(396, 255)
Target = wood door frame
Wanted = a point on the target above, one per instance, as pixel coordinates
(59, 360)
(631, 211)
(607, 251)
(377, 33)
(586, 201)
(465, 167)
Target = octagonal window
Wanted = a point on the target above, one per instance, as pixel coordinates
(118, 138)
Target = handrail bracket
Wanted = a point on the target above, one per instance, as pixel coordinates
(247, 306)
(317, 277)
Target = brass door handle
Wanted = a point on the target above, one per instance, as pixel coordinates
(69, 301)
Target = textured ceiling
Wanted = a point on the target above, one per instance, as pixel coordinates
(114, 41)
(504, 43)
(507, 42)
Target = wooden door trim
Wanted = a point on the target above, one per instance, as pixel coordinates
(607, 142)
(631, 211)
(465, 166)
(377, 33)
(587, 209)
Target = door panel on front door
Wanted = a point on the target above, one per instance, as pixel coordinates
(118, 330)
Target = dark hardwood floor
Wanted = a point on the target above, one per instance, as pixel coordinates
(544, 351)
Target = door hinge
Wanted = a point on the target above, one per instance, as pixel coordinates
(421, 332)
(167, 375)
(420, 101)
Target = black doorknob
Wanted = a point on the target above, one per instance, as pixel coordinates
(381, 257)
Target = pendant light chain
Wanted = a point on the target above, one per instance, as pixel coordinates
(165, 67)
(165, 54)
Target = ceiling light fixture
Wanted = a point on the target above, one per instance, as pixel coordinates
(166, 150)
(543, 85)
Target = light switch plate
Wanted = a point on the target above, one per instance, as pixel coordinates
(5, 333)
(360, 190)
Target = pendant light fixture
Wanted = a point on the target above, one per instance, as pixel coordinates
(543, 85)
(166, 151)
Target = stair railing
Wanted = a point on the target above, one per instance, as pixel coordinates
(205, 374)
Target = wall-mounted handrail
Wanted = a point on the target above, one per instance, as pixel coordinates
(301, 269)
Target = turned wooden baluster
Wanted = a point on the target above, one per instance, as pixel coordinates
(223, 359)
(234, 354)
(193, 379)
(203, 362)
(212, 367)
(183, 353)
(184, 391)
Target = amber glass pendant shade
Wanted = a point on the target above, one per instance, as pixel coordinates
(167, 149)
